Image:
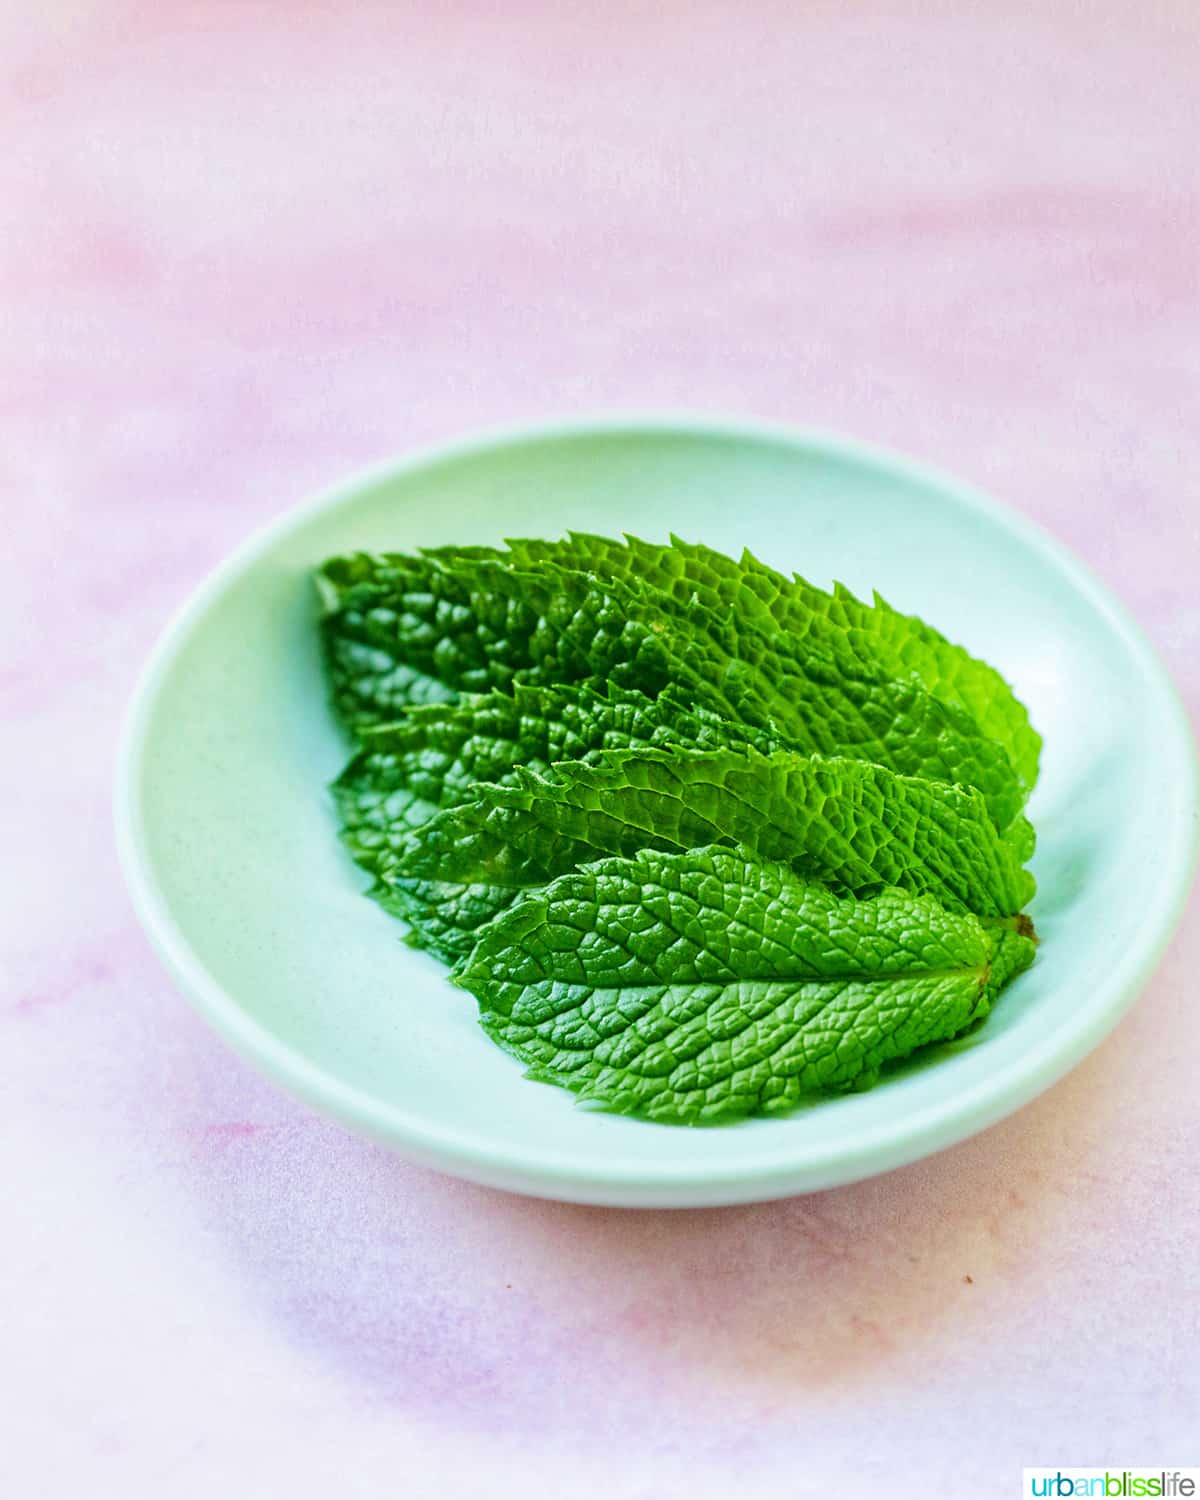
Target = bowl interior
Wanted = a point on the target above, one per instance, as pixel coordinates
(232, 843)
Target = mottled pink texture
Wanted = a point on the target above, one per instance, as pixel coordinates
(246, 247)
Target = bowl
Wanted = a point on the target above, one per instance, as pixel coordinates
(230, 846)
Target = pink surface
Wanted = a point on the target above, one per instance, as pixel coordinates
(246, 247)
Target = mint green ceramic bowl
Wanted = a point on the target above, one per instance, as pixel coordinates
(230, 848)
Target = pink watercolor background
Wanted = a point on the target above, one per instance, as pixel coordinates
(245, 247)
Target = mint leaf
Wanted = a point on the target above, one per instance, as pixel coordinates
(706, 986)
(400, 629)
(838, 625)
(855, 827)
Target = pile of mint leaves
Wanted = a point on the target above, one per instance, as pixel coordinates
(701, 839)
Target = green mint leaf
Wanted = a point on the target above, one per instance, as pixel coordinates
(400, 629)
(854, 827)
(838, 625)
(703, 987)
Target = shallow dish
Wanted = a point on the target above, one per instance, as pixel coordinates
(229, 842)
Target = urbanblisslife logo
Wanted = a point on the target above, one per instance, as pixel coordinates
(1123, 1484)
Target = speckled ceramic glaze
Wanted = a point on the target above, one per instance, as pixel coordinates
(230, 845)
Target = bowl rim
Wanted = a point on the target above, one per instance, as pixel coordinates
(627, 1179)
